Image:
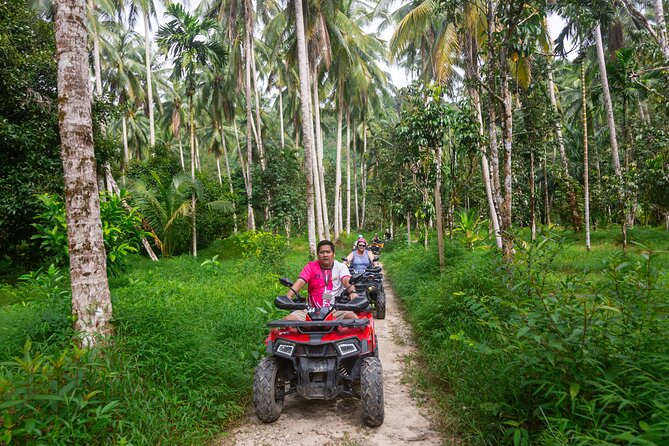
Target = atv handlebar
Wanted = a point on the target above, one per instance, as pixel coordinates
(357, 305)
(349, 323)
(286, 303)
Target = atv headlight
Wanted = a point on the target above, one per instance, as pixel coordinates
(285, 349)
(347, 348)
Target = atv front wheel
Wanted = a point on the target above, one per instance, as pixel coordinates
(268, 390)
(371, 392)
(380, 306)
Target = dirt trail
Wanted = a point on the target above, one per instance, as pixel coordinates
(339, 422)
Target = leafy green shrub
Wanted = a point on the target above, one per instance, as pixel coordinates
(120, 229)
(214, 212)
(265, 248)
(470, 226)
(56, 399)
(42, 311)
(52, 228)
(524, 353)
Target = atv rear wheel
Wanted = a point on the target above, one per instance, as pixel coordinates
(380, 312)
(268, 390)
(371, 392)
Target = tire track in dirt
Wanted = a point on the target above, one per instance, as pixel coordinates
(339, 422)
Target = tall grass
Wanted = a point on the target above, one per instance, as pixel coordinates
(562, 347)
(188, 333)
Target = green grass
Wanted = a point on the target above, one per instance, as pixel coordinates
(179, 369)
(607, 244)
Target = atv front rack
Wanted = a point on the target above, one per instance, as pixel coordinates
(347, 323)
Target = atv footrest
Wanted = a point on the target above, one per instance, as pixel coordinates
(348, 323)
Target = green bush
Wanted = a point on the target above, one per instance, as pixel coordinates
(264, 248)
(525, 353)
(121, 229)
(56, 399)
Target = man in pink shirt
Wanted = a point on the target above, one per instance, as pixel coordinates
(326, 279)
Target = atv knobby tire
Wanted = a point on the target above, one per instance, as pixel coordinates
(267, 391)
(380, 305)
(371, 392)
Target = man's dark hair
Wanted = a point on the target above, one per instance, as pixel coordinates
(323, 243)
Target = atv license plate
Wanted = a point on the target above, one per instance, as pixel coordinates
(318, 366)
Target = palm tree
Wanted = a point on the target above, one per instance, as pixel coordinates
(148, 11)
(307, 121)
(352, 49)
(188, 40)
(238, 19)
(586, 183)
(173, 116)
(165, 207)
(584, 22)
(124, 83)
(571, 193)
(91, 300)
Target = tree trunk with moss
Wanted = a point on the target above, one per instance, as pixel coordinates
(91, 302)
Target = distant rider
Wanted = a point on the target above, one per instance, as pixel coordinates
(388, 235)
(376, 239)
(360, 259)
(324, 277)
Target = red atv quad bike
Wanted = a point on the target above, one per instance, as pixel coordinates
(320, 358)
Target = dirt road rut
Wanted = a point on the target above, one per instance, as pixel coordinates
(339, 422)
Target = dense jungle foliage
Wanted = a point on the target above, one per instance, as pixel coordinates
(522, 167)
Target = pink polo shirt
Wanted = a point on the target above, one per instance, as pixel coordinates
(319, 280)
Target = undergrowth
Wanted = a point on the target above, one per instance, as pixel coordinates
(530, 354)
(178, 369)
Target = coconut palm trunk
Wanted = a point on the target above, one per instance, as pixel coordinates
(321, 197)
(571, 193)
(259, 141)
(283, 131)
(337, 197)
(193, 203)
(486, 174)
(149, 83)
(355, 186)
(408, 217)
(250, 218)
(608, 104)
(533, 199)
(363, 176)
(348, 172)
(438, 210)
(91, 300)
(319, 187)
(229, 175)
(93, 24)
(472, 72)
(242, 164)
(126, 153)
(661, 27)
(586, 182)
(318, 203)
(307, 122)
(547, 203)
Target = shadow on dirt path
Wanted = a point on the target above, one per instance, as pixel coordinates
(339, 422)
